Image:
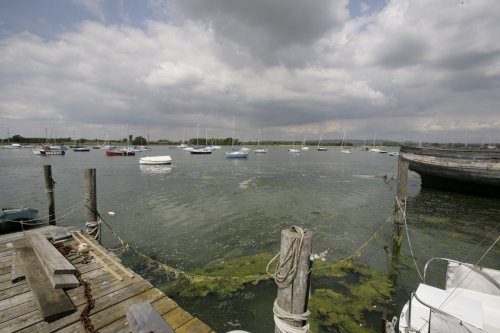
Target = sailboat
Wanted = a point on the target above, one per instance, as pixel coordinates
(304, 147)
(236, 153)
(259, 150)
(373, 149)
(320, 147)
(343, 148)
(201, 150)
(293, 150)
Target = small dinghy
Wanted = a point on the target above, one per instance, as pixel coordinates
(155, 160)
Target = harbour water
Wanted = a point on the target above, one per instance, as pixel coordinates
(206, 209)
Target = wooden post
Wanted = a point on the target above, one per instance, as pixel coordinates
(49, 186)
(293, 294)
(400, 207)
(92, 226)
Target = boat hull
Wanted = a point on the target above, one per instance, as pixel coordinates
(120, 153)
(10, 217)
(155, 160)
(470, 173)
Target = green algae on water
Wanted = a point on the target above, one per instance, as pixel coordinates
(345, 312)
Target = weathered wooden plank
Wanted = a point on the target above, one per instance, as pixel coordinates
(49, 256)
(108, 312)
(177, 318)
(163, 305)
(99, 249)
(59, 234)
(101, 303)
(24, 321)
(17, 311)
(16, 300)
(11, 292)
(7, 284)
(52, 303)
(194, 326)
(17, 270)
(143, 318)
(60, 281)
(105, 266)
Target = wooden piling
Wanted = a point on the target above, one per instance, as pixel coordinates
(49, 186)
(92, 227)
(400, 206)
(293, 292)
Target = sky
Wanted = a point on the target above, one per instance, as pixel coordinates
(402, 70)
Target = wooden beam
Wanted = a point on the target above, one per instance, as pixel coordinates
(52, 303)
(49, 256)
(106, 267)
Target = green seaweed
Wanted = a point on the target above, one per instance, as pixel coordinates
(344, 312)
(223, 278)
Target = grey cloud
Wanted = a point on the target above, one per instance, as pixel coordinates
(264, 27)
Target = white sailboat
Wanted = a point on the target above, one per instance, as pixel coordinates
(259, 150)
(304, 147)
(236, 153)
(293, 150)
(320, 147)
(343, 148)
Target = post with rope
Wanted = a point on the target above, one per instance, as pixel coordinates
(49, 186)
(292, 276)
(400, 207)
(92, 226)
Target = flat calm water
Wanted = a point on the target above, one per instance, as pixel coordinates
(206, 208)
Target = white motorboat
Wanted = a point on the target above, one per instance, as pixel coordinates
(155, 160)
(470, 302)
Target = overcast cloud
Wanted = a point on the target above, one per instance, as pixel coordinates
(401, 69)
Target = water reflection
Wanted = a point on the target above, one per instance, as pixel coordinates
(155, 169)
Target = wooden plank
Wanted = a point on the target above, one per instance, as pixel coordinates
(143, 318)
(16, 300)
(17, 270)
(117, 310)
(107, 256)
(60, 281)
(116, 275)
(194, 326)
(19, 289)
(108, 300)
(7, 284)
(177, 318)
(59, 234)
(52, 303)
(163, 305)
(16, 311)
(50, 257)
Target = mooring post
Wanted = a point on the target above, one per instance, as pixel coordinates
(49, 186)
(293, 278)
(92, 226)
(400, 207)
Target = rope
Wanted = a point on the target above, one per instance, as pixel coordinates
(281, 315)
(408, 237)
(284, 277)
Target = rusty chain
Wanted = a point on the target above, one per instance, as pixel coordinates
(84, 315)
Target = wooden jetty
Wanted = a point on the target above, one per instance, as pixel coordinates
(123, 300)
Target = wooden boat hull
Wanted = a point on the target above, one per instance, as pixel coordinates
(472, 173)
(120, 153)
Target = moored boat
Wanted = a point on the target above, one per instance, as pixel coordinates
(469, 302)
(122, 152)
(237, 154)
(155, 160)
(201, 150)
(11, 218)
(473, 171)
